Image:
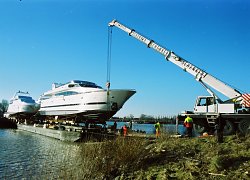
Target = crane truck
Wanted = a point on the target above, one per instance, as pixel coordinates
(235, 111)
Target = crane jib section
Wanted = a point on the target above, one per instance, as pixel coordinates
(171, 56)
(199, 74)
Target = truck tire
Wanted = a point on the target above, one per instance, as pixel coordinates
(244, 126)
(229, 128)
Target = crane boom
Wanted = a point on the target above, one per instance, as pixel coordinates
(199, 74)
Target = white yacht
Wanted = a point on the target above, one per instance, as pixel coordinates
(83, 100)
(21, 106)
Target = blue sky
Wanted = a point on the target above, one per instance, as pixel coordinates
(44, 41)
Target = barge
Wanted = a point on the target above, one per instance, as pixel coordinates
(61, 134)
(69, 133)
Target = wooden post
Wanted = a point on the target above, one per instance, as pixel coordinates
(219, 126)
(177, 123)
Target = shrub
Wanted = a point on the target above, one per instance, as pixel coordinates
(112, 158)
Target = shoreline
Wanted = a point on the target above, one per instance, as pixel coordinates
(8, 123)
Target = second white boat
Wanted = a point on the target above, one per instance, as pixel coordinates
(21, 106)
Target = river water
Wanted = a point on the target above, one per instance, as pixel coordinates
(25, 155)
(149, 128)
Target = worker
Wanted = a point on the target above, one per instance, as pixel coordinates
(188, 123)
(114, 127)
(157, 129)
(130, 124)
(124, 129)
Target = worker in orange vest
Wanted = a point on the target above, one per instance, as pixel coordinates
(125, 129)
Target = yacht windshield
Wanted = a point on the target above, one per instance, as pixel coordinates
(87, 84)
(26, 99)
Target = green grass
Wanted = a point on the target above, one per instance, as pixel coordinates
(167, 158)
(198, 158)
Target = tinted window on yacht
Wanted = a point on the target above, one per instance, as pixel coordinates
(88, 84)
(26, 99)
(68, 93)
(60, 94)
(71, 85)
(45, 97)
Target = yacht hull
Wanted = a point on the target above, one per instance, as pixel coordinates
(94, 105)
(22, 109)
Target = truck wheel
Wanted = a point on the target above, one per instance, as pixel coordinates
(229, 128)
(200, 129)
(244, 125)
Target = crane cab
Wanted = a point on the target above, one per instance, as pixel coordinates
(208, 104)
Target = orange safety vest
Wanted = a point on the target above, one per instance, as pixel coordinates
(124, 130)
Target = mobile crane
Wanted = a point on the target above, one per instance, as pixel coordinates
(208, 109)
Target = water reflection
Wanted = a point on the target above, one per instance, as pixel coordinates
(149, 128)
(28, 155)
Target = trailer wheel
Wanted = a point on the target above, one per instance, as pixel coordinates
(244, 125)
(229, 128)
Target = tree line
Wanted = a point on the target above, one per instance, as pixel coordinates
(3, 107)
(148, 118)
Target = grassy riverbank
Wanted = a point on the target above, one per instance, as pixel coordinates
(131, 158)
(166, 158)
